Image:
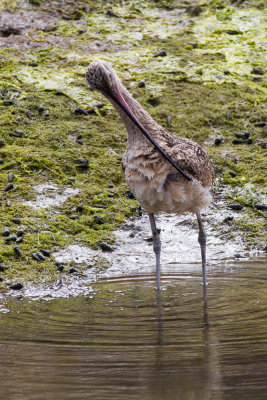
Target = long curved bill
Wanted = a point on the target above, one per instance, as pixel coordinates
(118, 98)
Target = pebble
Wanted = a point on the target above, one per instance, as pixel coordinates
(18, 119)
(45, 252)
(83, 163)
(236, 206)
(193, 44)
(20, 233)
(81, 31)
(60, 268)
(10, 177)
(41, 256)
(142, 84)
(17, 134)
(233, 174)
(29, 114)
(264, 145)
(261, 207)
(11, 238)
(244, 135)
(40, 109)
(98, 220)
(72, 270)
(260, 124)
(249, 141)
(8, 187)
(79, 207)
(218, 140)
(35, 257)
(228, 219)
(80, 111)
(79, 141)
(6, 232)
(8, 203)
(74, 217)
(194, 10)
(257, 70)
(66, 17)
(129, 194)
(237, 141)
(2, 143)
(226, 72)
(257, 78)
(16, 220)
(8, 102)
(169, 120)
(47, 113)
(161, 53)
(106, 247)
(19, 240)
(3, 268)
(16, 286)
(17, 251)
(1, 161)
(111, 13)
(33, 64)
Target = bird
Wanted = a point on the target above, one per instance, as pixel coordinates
(166, 173)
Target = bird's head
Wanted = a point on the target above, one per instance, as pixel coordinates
(102, 77)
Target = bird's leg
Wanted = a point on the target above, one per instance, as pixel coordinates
(156, 246)
(202, 242)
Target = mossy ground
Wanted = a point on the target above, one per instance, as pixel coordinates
(189, 85)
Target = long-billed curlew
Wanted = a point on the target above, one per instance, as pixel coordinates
(166, 173)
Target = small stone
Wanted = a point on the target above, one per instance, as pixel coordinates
(80, 111)
(72, 270)
(260, 124)
(238, 255)
(98, 220)
(41, 256)
(2, 143)
(10, 177)
(18, 134)
(60, 268)
(8, 102)
(169, 120)
(244, 135)
(17, 251)
(161, 53)
(74, 217)
(79, 141)
(35, 257)
(228, 219)
(79, 207)
(263, 145)
(83, 163)
(236, 206)
(1, 161)
(257, 71)
(45, 252)
(226, 72)
(257, 78)
(218, 140)
(106, 247)
(237, 141)
(193, 44)
(18, 119)
(129, 194)
(79, 137)
(11, 238)
(233, 174)
(6, 232)
(19, 240)
(16, 286)
(33, 64)
(29, 114)
(261, 207)
(132, 235)
(40, 109)
(8, 203)
(112, 14)
(66, 17)
(194, 10)
(3, 268)
(81, 31)
(20, 233)
(141, 84)
(249, 141)
(47, 113)
(16, 220)
(8, 187)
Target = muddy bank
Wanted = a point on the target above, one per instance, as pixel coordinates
(60, 170)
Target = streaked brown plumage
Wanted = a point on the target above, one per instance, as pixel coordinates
(157, 184)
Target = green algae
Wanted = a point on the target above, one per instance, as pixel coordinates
(188, 84)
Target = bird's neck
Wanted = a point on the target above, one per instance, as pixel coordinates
(141, 115)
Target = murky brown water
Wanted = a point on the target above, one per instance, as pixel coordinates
(120, 343)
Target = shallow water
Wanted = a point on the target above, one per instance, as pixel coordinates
(122, 342)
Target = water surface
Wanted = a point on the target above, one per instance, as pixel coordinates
(123, 342)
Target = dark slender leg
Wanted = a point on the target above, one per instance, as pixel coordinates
(202, 242)
(156, 246)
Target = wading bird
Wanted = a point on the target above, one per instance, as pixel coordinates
(166, 173)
